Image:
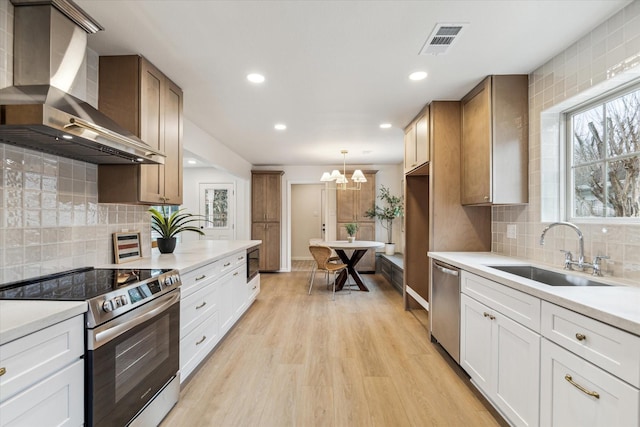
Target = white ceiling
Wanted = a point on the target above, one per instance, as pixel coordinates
(334, 70)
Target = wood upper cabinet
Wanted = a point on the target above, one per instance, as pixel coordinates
(416, 142)
(495, 130)
(351, 205)
(266, 195)
(266, 199)
(139, 97)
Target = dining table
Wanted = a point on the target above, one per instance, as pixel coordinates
(359, 248)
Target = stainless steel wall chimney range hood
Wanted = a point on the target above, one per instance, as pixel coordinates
(50, 39)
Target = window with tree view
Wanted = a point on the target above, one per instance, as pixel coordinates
(604, 158)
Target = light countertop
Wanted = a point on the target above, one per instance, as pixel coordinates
(617, 305)
(189, 255)
(20, 318)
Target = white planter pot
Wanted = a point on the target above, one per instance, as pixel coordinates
(389, 248)
(350, 239)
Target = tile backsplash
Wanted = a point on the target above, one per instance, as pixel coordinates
(594, 61)
(50, 218)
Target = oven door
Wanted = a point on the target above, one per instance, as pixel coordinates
(130, 359)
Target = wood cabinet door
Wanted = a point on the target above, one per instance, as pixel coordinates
(476, 145)
(172, 169)
(366, 199)
(422, 139)
(152, 98)
(410, 160)
(266, 196)
(269, 233)
(346, 206)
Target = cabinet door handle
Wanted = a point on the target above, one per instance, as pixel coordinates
(580, 337)
(198, 307)
(235, 274)
(240, 258)
(254, 288)
(227, 264)
(581, 388)
(204, 337)
(490, 316)
(4, 370)
(201, 277)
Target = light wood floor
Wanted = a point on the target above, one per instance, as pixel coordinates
(299, 360)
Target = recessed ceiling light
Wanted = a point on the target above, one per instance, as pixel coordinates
(67, 136)
(385, 125)
(255, 78)
(191, 162)
(418, 75)
(280, 126)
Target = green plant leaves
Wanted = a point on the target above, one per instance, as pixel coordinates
(168, 225)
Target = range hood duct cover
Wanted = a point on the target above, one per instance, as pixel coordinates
(37, 112)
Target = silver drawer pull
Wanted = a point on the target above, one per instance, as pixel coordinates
(240, 258)
(254, 288)
(227, 264)
(581, 388)
(204, 337)
(235, 274)
(200, 277)
(198, 307)
(580, 337)
(4, 370)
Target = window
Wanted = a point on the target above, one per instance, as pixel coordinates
(604, 157)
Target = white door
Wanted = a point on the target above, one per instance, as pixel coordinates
(217, 204)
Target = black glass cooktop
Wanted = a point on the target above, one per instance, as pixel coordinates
(75, 285)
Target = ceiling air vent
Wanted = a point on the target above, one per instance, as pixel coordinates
(442, 38)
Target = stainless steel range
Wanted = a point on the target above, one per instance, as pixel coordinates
(132, 339)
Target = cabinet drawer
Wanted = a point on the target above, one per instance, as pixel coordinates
(29, 359)
(192, 280)
(563, 403)
(56, 401)
(196, 345)
(254, 288)
(610, 348)
(239, 258)
(195, 307)
(232, 261)
(523, 308)
(396, 277)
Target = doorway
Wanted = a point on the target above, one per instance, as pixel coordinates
(217, 204)
(308, 220)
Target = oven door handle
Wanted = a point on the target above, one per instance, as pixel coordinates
(118, 326)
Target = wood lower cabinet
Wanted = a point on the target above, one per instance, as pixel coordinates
(266, 202)
(495, 117)
(136, 95)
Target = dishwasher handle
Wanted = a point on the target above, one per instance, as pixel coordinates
(446, 270)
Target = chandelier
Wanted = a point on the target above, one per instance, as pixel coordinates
(341, 178)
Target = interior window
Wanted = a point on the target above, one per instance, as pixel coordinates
(603, 155)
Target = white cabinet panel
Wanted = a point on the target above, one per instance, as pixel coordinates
(612, 349)
(58, 400)
(567, 393)
(475, 341)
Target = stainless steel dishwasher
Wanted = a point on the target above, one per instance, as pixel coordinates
(445, 307)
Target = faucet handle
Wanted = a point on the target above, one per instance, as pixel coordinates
(568, 259)
(597, 270)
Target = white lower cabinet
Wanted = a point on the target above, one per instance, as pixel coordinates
(214, 297)
(503, 358)
(576, 393)
(42, 381)
(589, 372)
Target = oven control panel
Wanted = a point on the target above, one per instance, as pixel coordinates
(127, 298)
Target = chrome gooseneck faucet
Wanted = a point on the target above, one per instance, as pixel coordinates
(568, 258)
(580, 262)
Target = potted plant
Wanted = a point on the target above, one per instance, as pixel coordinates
(351, 231)
(393, 208)
(169, 225)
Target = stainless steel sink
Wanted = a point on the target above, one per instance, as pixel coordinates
(547, 277)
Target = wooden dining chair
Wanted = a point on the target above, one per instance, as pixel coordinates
(322, 257)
